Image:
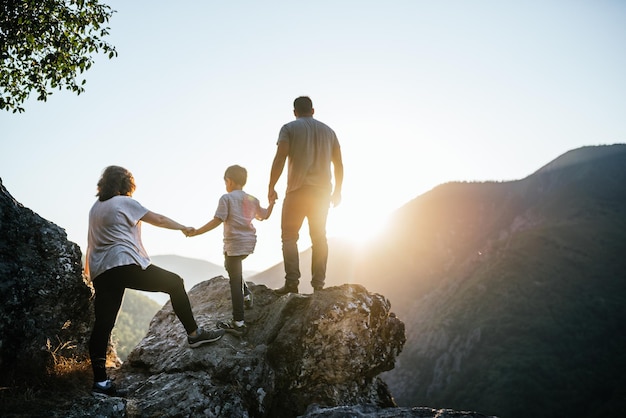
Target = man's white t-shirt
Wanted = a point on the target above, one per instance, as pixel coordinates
(114, 237)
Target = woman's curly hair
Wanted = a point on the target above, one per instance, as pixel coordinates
(115, 181)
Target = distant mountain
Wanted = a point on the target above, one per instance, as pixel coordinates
(133, 321)
(514, 293)
(192, 270)
(343, 256)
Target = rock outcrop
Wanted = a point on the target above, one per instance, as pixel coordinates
(370, 411)
(327, 348)
(45, 306)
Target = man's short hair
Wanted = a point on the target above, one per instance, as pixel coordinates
(303, 105)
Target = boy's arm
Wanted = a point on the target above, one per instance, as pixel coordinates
(269, 210)
(262, 214)
(212, 224)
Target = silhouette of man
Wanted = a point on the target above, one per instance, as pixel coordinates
(311, 147)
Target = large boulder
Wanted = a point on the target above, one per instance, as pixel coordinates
(45, 305)
(326, 349)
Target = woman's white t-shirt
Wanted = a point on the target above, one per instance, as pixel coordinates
(114, 237)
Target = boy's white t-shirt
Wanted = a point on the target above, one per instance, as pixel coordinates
(114, 237)
(237, 209)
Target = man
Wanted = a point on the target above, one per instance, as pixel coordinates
(311, 147)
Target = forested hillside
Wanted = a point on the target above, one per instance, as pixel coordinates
(514, 293)
(133, 321)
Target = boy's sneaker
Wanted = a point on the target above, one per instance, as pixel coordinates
(248, 301)
(204, 337)
(107, 388)
(232, 328)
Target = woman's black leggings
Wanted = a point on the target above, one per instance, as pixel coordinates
(110, 287)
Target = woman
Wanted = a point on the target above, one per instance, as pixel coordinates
(116, 260)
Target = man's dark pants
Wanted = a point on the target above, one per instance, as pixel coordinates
(311, 203)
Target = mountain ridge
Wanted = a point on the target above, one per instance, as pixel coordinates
(192, 270)
(530, 276)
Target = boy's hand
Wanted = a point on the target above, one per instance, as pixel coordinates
(189, 231)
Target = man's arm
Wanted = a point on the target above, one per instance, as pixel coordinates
(277, 169)
(338, 168)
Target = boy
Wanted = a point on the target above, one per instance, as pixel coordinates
(236, 210)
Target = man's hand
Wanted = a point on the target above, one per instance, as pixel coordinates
(272, 196)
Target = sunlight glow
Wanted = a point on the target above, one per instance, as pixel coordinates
(356, 225)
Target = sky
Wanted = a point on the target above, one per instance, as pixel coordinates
(420, 93)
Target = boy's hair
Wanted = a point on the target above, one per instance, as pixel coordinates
(236, 173)
(303, 105)
(115, 181)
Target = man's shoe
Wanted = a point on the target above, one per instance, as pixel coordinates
(286, 289)
(232, 328)
(318, 289)
(204, 337)
(108, 389)
(248, 301)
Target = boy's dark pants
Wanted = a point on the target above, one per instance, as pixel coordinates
(233, 265)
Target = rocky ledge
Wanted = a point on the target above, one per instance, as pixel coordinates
(324, 349)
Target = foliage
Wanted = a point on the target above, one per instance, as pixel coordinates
(44, 45)
(67, 379)
(133, 321)
(70, 378)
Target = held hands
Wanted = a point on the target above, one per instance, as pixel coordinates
(189, 231)
(272, 196)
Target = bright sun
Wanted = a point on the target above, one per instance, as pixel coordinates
(354, 224)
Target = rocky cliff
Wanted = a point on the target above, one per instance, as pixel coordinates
(313, 355)
(327, 348)
(45, 307)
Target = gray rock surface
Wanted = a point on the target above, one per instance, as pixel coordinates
(46, 305)
(371, 411)
(327, 348)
